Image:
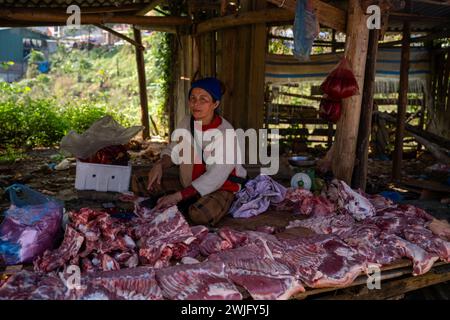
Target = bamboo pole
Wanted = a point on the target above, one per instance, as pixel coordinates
(365, 122)
(347, 127)
(402, 101)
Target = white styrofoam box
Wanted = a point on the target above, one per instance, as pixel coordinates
(102, 177)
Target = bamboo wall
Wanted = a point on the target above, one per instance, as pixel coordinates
(439, 112)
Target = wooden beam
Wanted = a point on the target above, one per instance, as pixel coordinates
(149, 7)
(300, 96)
(396, 287)
(365, 122)
(121, 36)
(328, 15)
(441, 141)
(61, 17)
(257, 68)
(142, 84)
(347, 127)
(131, 8)
(412, 17)
(251, 17)
(402, 100)
(435, 2)
(428, 37)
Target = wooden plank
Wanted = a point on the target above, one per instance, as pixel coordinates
(227, 57)
(302, 96)
(275, 121)
(365, 122)
(328, 15)
(255, 114)
(411, 102)
(413, 17)
(441, 141)
(142, 84)
(241, 84)
(435, 2)
(348, 124)
(402, 100)
(396, 287)
(244, 18)
(422, 184)
(61, 17)
(428, 37)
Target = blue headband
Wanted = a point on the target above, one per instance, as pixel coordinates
(210, 85)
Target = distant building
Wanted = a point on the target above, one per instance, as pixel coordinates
(16, 45)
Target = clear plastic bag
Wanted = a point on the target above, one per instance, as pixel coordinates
(30, 226)
(341, 82)
(102, 133)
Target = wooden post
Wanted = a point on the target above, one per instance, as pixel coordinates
(347, 126)
(257, 72)
(365, 122)
(142, 84)
(402, 102)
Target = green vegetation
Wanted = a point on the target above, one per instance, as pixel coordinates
(82, 86)
(11, 155)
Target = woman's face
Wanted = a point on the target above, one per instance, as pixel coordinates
(201, 104)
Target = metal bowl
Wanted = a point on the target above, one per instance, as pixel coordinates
(302, 161)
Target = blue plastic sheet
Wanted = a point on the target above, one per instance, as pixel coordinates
(306, 29)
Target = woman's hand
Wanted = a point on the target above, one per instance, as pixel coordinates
(168, 201)
(155, 175)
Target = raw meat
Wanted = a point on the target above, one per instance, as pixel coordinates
(200, 281)
(301, 201)
(27, 285)
(126, 284)
(264, 279)
(213, 244)
(199, 232)
(349, 201)
(323, 261)
(398, 247)
(271, 245)
(249, 251)
(335, 224)
(234, 237)
(109, 263)
(70, 247)
(379, 202)
(159, 234)
(425, 239)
